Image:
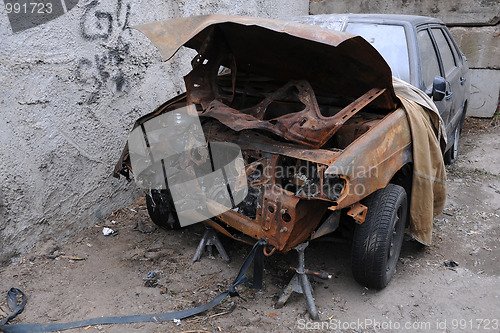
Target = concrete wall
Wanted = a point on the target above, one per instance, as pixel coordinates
(70, 91)
(473, 23)
(481, 45)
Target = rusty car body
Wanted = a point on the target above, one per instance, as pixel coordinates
(314, 112)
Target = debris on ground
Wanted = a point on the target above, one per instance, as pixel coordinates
(151, 280)
(143, 227)
(107, 231)
(451, 263)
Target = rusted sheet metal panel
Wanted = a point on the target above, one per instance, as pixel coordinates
(219, 228)
(358, 212)
(283, 220)
(371, 161)
(308, 126)
(255, 141)
(170, 35)
(332, 62)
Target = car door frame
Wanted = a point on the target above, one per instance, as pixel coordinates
(444, 106)
(463, 91)
(454, 82)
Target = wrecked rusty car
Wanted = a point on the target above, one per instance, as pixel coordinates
(325, 141)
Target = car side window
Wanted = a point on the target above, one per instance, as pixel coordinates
(454, 48)
(447, 58)
(428, 58)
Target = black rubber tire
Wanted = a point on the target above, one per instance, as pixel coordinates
(451, 155)
(377, 241)
(161, 209)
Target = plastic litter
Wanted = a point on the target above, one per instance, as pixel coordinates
(107, 231)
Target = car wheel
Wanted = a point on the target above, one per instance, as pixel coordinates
(161, 209)
(377, 241)
(450, 156)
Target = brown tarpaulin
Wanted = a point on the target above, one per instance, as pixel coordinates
(428, 194)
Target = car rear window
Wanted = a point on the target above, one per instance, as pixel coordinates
(389, 41)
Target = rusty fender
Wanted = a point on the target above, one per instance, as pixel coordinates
(370, 162)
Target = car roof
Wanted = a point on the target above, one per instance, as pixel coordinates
(414, 20)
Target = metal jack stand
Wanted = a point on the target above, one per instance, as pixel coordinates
(300, 284)
(209, 239)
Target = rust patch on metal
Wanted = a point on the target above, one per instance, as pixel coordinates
(358, 212)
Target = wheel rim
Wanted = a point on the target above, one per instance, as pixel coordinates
(394, 241)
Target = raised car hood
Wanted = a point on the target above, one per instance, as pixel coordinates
(332, 62)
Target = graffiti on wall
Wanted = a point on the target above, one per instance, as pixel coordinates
(106, 29)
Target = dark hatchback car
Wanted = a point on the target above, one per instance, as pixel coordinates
(419, 50)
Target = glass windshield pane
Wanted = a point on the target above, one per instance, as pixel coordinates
(390, 42)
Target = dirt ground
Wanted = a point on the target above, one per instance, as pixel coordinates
(92, 275)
